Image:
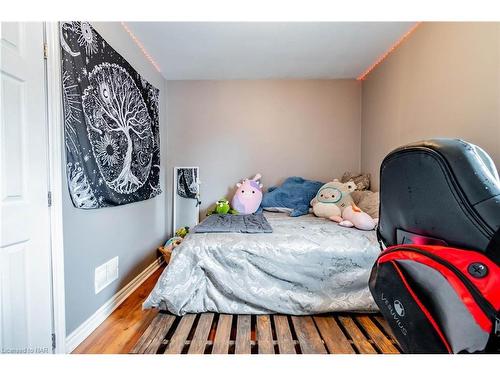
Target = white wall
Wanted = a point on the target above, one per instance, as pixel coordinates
(234, 129)
(443, 81)
(132, 232)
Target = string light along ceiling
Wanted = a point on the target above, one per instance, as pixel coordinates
(141, 47)
(361, 77)
(388, 52)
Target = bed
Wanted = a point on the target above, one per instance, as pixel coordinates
(308, 265)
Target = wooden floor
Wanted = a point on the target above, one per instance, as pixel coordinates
(121, 330)
(129, 329)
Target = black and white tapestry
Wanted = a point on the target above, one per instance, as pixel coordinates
(111, 123)
(187, 182)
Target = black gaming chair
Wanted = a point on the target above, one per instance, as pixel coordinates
(440, 192)
(437, 282)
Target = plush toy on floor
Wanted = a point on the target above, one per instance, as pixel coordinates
(248, 196)
(169, 246)
(222, 207)
(182, 232)
(333, 201)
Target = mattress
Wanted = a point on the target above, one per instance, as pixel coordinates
(308, 265)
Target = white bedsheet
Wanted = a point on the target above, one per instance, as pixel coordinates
(306, 266)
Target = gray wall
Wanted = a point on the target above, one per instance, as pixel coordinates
(131, 232)
(234, 129)
(443, 81)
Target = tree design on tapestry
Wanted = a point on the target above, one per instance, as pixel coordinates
(111, 123)
(119, 128)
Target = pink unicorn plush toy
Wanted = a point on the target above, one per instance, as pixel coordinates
(248, 196)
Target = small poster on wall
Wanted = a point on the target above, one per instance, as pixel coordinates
(111, 123)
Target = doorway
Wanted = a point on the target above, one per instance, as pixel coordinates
(31, 263)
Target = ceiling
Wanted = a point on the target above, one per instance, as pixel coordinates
(260, 50)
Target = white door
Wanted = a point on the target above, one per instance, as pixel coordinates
(25, 268)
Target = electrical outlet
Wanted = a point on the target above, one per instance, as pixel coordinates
(100, 278)
(112, 270)
(105, 274)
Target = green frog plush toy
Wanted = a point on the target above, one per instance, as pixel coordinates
(222, 207)
(182, 232)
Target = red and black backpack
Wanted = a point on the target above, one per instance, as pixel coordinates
(437, 280)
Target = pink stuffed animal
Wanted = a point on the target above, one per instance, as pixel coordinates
(352, 216)
(248, 196)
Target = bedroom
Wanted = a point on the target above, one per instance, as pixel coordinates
(289, 105)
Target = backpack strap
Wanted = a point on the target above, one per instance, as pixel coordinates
(493, 249)
(379, 238)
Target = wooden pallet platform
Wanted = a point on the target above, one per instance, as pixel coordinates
(210, 333)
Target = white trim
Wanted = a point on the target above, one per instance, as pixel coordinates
(86, 328)
(56, 183)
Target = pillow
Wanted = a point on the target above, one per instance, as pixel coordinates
(295, 194)
(368, 201)
(362, 180)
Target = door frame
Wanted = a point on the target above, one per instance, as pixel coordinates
(56, 183)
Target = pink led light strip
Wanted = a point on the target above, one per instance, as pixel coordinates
(388, 52)
(141, 47)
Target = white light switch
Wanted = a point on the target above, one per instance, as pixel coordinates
(105, 274)
(100, 278)
(112, 269)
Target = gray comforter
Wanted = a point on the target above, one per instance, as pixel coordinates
(307, 265)
(253, 223)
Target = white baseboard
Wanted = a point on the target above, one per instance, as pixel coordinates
(76, 337)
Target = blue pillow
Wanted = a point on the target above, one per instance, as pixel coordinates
(295, 193)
